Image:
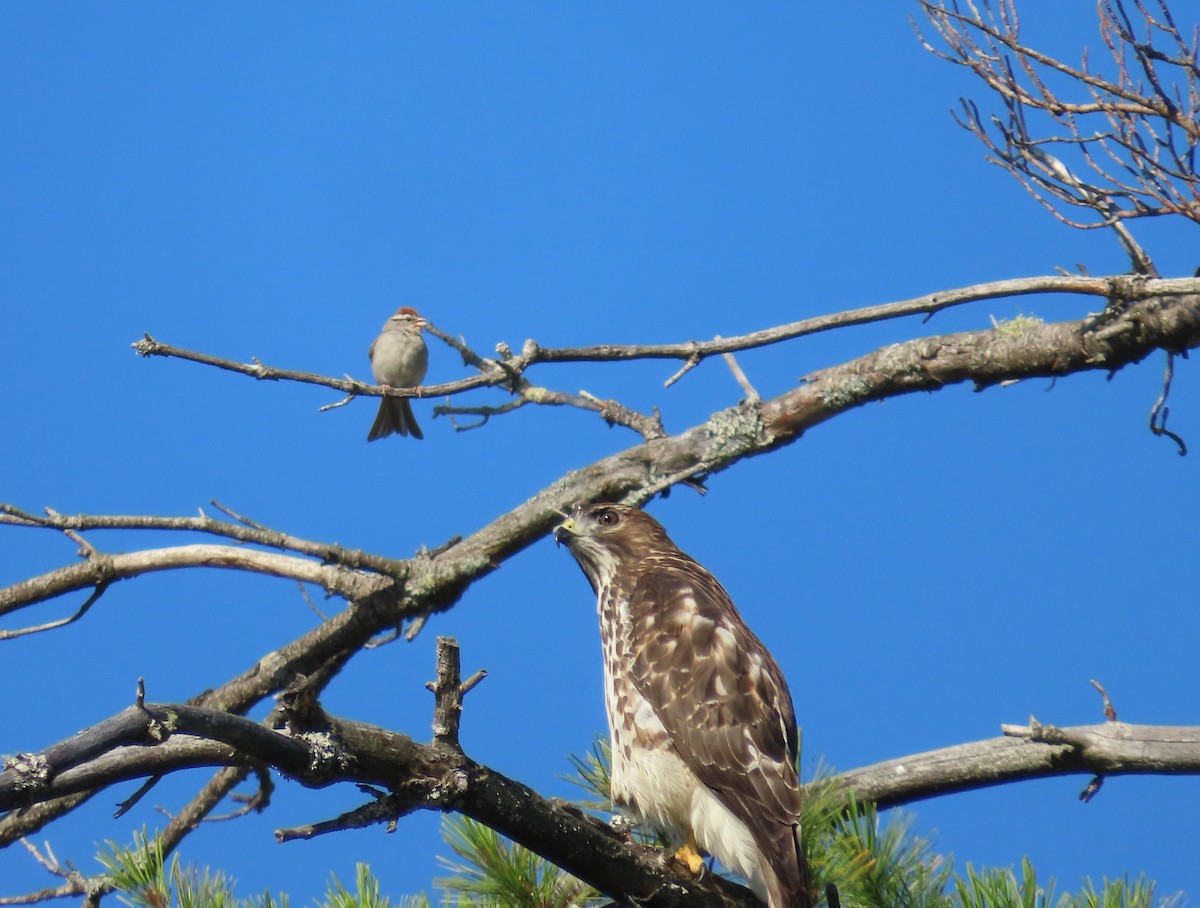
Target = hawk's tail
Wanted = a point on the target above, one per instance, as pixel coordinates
(786, 872)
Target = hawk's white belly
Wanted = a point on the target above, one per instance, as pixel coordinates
(655, 785)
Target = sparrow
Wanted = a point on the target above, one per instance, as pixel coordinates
(399, 359)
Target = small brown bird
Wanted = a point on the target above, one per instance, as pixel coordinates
(399, 359)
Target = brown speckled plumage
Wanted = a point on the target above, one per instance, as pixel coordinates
(703, 732)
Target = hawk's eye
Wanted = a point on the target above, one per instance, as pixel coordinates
(608, 518)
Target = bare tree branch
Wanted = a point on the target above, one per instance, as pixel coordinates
(243, 531)
(102, 571)
(508, 371)
(163, 737)
(1029, 752)
(1134, 134)
(318, 750)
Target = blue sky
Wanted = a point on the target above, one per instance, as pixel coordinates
(272, 181)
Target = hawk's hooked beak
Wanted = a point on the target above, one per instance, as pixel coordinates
(566, 531)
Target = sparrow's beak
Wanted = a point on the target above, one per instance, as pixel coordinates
(566, 531)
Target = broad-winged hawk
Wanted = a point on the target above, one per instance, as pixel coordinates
(703, 732)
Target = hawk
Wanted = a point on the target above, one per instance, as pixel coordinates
(703, 733)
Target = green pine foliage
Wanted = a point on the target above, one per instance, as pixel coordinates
(871, 863)
(593, 775)
(366, 894)
(1000, 888)
(139, 873)
(492, 871)
(143, 878)
(875, 864)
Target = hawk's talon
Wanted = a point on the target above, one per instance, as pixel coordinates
(689, 856)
